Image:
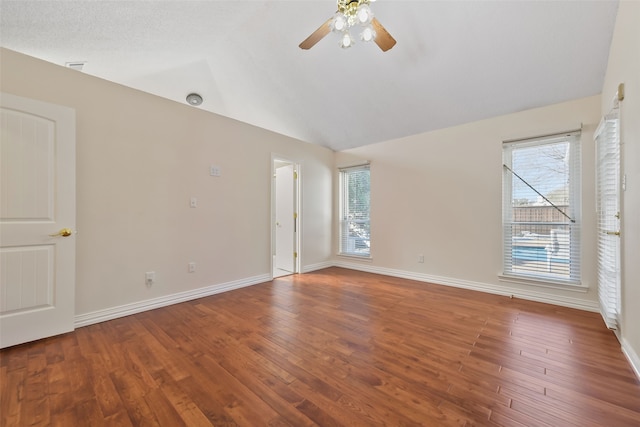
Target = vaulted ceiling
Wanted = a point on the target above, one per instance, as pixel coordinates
(454, 61)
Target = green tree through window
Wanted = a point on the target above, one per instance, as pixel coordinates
(355, 234)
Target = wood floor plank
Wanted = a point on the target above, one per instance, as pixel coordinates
(132, 396)
(239, 399)
(357, 383)
(110, 402)
(592, 408)
(12, 396)
(35, 407)
(263, 383)
(89, 410)
(165, 410)
(334, 347)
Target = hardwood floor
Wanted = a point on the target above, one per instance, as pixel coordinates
(330, 348)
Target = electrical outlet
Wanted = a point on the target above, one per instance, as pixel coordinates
(192, 267)
(150, 278)
(215, 170)
(193, 202)
(421, 259)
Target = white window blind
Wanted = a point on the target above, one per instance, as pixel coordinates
(608, 216)
(355, 234)
(541, 208)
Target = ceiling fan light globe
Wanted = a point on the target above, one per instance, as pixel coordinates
(364, 14)
(346, 41)
(339, 22)
(368, 34)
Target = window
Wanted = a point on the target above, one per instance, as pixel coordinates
(541, 208)
(355, 237)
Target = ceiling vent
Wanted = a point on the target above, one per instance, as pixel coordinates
(75, 65)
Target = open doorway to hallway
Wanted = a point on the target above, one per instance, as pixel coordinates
(285, 216)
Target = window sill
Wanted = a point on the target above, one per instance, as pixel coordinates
(353, 256)
(542, 283)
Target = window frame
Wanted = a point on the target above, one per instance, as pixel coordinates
(539, 278)
(343, 213)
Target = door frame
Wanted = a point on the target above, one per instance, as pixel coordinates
(275, 159)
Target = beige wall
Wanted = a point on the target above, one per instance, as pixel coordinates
(624, 67)
(440, 194)
(139, 160)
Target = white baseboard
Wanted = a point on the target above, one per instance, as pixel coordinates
(138, 307)
(318, 266)
(632, 356)
(150, 304)
(476, 286)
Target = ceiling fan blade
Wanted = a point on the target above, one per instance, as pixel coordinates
(383, 38)
(316, 36)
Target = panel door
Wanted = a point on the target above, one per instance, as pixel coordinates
(37, 201)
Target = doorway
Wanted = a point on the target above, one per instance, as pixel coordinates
(285, 198)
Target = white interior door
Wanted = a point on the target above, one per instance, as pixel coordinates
(608, 211)
(285, 221)
(37, 199)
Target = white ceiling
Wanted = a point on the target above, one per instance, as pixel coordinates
(455, 61)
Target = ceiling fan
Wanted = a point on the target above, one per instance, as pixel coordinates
(352, 14)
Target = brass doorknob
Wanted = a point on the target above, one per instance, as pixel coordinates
(65, 232)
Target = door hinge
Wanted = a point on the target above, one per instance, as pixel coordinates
(295, 254)
(295, 175)
(295, 215)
